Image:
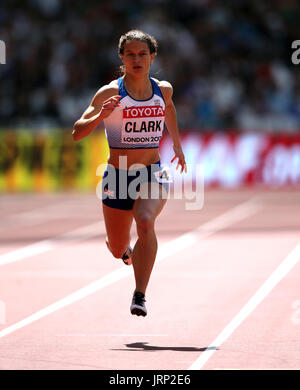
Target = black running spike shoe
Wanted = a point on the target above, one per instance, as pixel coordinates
(127, 256)
(138, 304)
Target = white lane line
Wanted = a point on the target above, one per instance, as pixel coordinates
(238, 213)
(234, 215)
(43, 246)
(285, 266)
(111, 278)
(35, 215)
(111, 335)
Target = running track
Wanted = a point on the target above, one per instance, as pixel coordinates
(224, 292)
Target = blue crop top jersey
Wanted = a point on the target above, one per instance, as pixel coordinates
(136, 124)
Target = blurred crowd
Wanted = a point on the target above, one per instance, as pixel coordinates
(229, 61)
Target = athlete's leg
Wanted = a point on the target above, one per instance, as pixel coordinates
(145, 212)
(118, 224)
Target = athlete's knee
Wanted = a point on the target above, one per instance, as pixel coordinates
(144, 222)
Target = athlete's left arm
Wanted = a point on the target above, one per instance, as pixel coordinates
(171, 124)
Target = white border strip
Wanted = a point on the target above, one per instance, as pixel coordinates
(286, 265)
(112, 335)
(43, 246)
(234, 215)
(42, 214)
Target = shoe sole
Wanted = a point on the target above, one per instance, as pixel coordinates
(138, 312)
(127, 261)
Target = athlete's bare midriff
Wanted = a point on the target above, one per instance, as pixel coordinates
(136, 156)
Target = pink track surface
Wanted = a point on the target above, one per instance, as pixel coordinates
(194, 293)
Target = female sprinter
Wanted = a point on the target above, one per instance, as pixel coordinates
(134, 109)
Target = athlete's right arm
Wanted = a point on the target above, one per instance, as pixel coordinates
(102, 105)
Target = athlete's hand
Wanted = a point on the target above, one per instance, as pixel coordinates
(109, 105)
(181, 160)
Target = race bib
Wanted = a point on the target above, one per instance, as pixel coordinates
(164, 175)
(142, 125)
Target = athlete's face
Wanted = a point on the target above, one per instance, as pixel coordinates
(136, 57)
